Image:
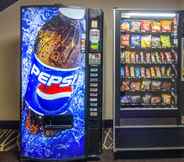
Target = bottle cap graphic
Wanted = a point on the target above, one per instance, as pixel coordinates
(73, 13)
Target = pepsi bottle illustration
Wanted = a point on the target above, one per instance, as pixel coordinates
(53, 93)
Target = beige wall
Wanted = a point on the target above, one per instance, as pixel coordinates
(9, 47)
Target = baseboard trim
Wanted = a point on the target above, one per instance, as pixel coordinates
(14, 124)
(107, 123)
(9, 124)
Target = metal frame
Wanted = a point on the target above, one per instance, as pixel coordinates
(174, 111)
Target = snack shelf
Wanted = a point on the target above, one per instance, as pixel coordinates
(149, 33)
(149, 91)
(145, 63)
(137, 49)
(149, 78)
(147, 108)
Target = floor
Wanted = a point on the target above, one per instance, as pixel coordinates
(106, 157)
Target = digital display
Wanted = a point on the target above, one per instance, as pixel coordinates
(53, 82)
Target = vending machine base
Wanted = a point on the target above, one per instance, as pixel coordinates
(148, 154)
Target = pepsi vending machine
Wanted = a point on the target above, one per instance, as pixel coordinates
(61, 83)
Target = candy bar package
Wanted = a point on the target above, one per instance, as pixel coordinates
(155, 100)
(163, 71)
(157, 57)
(148, 57)
(142, 57)
(165, 41)
(127, 71)
(137, 72)
(122, 57)
(166, 85)
(155, 42)
(135, 86)
(155, 26)
(125, 39)
(137, 58)
(145, 85)
(132, 72)
(135, 41)
(145, 26)
(132, 57)
(162, 56)
(143, 74)
(158, 72)
(153, 74)
(169, 72)
(135, 26)
(126, 100)
(153, 58)
(166, 25)
(146, 41)
(167, 99)
(125, 25)
(148, 73)
(127, 57)
(155, 85)
(146, 99)
(125, 86)
(136, 99)
(122, 71)
(168, 56)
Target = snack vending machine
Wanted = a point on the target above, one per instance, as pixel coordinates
(148, 85)
(61, 83)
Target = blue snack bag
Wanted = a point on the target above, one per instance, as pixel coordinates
(135, 41)
(137, 72)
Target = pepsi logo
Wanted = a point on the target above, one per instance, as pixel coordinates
(54, 91)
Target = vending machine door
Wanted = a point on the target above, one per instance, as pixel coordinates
(53, 83)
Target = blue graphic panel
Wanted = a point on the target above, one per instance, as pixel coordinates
(53, 82)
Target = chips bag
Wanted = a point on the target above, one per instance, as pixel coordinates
(125, 40)
(146, 41)
(125, 25)
(166, 25)
(145, 26)
(155, 26)
(167, 99)
(135, 26)
(155, 42)
(135, 41)
(165, 41)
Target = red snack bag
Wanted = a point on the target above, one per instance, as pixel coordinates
(127, 71)
(125, 39)
(145, 26)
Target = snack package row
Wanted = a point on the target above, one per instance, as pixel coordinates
(145, 41)
(162, 99)
(147, 25)
(148, 57)
(145, 85)
(148, 72)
